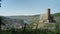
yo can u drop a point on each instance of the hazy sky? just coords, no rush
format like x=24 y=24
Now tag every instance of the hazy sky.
x=28 y=7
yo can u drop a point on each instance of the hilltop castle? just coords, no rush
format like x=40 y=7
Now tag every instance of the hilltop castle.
x=46 y=18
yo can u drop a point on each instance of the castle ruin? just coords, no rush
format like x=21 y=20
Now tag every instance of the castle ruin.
x=46 y=18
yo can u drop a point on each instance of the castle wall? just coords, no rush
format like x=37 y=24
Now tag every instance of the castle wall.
x=46 y=18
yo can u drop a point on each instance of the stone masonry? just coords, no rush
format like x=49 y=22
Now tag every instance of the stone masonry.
x=46 y=18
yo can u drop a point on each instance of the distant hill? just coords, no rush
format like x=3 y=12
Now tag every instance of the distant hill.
x=16 y=20
x=33 y=17
x=28 y=18
x=56 y=15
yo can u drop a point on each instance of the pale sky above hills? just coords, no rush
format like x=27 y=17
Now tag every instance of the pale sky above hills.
x=28 y=7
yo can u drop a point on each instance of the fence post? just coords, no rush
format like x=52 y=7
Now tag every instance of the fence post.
x=36 y=29
x=24 y=28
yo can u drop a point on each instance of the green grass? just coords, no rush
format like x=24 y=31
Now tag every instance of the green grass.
x=20 y=31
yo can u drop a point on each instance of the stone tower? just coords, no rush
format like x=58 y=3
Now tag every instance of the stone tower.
x=46 y=18
x=48 y=14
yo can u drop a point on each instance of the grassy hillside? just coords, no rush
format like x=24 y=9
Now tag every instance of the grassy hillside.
x=57 y=17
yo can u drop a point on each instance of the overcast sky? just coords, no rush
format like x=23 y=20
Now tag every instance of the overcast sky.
x=28 y=7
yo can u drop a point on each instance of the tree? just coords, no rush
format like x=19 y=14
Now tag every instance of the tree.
x=1 y=23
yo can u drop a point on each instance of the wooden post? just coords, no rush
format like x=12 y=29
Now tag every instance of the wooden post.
x=36 y=29
x=24 y=28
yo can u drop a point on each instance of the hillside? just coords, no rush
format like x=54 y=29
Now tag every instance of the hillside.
x=56 y=15
x=28 y=18
x=20 y=20
x=34 y=17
